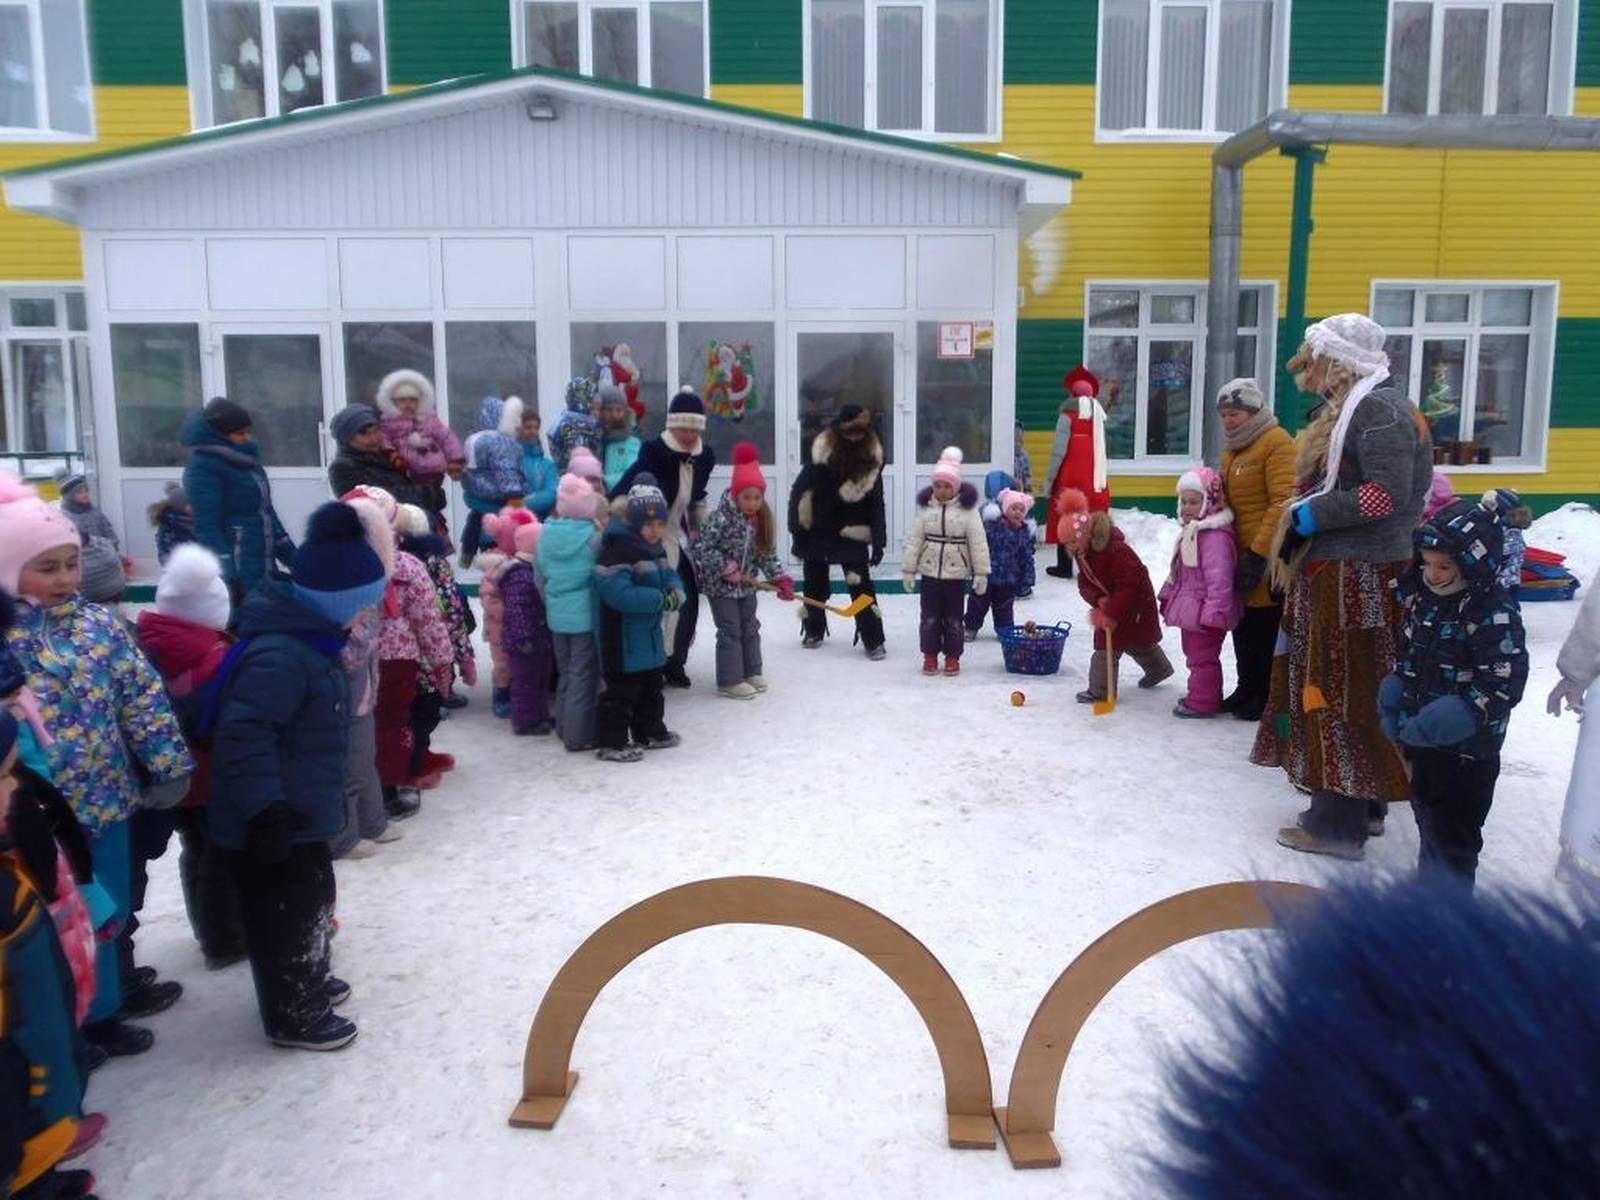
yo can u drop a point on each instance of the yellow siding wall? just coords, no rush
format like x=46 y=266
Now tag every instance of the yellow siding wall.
x=34 y=248
x=787 y=98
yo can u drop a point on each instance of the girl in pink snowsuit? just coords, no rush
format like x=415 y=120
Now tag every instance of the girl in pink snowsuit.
x=501 y=526
x=1198 y=597
x=412 y=429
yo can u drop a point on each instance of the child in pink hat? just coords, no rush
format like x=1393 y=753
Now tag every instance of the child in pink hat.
x=1198 y=597
x=525 y=636
x=946 y=547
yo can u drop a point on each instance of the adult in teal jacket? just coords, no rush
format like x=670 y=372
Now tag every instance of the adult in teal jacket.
x=231 y=497
x=618 y=432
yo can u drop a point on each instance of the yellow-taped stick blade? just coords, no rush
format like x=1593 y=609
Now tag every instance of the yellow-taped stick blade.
x=1109 y=704
x=857 y=606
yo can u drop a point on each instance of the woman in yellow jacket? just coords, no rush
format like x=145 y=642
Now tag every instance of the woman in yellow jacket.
x=1258 y=479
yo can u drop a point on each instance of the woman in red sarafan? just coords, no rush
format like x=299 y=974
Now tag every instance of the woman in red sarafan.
x=1078 y=456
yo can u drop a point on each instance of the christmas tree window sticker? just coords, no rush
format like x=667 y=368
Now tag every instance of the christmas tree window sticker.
x=729 y=390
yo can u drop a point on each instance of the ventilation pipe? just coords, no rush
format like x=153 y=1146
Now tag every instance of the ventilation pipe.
x=1297 y=133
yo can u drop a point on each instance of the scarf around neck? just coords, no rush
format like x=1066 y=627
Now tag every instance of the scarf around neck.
x=1260 y=421
x=1189 y=535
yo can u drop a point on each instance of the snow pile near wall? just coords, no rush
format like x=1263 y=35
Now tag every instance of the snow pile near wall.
x=1573 y=530
x=1154 y=536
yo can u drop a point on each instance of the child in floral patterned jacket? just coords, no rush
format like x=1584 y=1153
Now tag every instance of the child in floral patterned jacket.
x=108 y=717
x=735 y=545
x=412 y=527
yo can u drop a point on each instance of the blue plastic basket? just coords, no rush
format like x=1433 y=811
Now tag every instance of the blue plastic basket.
x=1035 y=654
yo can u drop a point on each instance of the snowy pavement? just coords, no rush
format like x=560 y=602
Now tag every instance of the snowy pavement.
x=753 y=1061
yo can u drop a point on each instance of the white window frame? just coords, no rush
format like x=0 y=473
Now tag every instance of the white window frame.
x=869 y=103
x=519 y=37
x=1536 y=404
x=1277 y=88
x=44 y=132
x=1563 y=52
x=58 y=333
x=1265 y=331
x=197 y=36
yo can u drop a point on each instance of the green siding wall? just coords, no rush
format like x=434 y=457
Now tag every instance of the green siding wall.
x=1575 y=399
x=1046 y=350
x=756 y=41
x=431 y=40
x=1337 y=41
x=1050 y=41
x=1589 y=43
x=137 y=42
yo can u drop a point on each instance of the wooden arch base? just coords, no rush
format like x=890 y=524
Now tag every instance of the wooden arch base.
x=1030 y=1113
x=547 y=1080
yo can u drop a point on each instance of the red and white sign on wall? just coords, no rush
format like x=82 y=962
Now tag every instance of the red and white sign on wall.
x=956 y=339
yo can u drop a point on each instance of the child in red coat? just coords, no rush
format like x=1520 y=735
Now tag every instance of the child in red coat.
x=1115 y=584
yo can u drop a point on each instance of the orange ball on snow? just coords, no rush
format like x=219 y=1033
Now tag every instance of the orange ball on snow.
x=1018 y=699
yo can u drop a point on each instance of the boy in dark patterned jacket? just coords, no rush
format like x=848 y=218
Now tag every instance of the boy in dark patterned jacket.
x=1461 y=670
x=1011 y=537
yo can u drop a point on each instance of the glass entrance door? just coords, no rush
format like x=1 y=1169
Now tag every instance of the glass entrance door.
x=281 y=374
x=839 y=365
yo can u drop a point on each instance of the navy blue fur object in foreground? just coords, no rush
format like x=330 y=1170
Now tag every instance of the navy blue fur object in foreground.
x=1400 y=1040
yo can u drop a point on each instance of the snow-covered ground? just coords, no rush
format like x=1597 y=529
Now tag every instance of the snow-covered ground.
x=753 y=1061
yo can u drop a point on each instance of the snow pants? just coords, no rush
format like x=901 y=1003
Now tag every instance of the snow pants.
x=364 y=814
x=530 y=683
x=425 y=717
x=738 y=638
x=1202 y=652
x=1254 y=641
x=1450 y=796
x=1000 y=597
x=1152 y=661
x=111 y=854
x=287 y=908
x=857 y=577
x=397 y=689
x=208 y=895
x=940 y=629
x=577 y=683
x=681 y=624
x=632 y=702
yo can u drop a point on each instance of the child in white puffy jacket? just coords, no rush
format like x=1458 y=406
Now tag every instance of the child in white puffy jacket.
x=947 y=546
x=1579 y=664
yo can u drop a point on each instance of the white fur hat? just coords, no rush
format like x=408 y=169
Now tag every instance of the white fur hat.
x=191 y=588
x=410 y=521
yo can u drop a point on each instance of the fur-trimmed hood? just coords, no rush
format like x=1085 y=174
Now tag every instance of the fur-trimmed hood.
x=966 y=496
x=393 y=380
x=825 y=453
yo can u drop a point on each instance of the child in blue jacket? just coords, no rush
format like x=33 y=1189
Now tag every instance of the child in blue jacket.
x=565 y=565
x=1010 y=530
x=281 y=731
x=635 y=586
x=1461 y=669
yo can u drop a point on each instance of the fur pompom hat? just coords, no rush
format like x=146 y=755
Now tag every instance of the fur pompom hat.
x=575 y=498
x=747 y=469
x=28 y=527
x=582 y=463
x=335 y=573
x=1014 y=503
x=525 y=538
x=949 y=466
x=385 y=501
x=191 y=588
x=503 y=525
x=380 y=534
x=411 y=521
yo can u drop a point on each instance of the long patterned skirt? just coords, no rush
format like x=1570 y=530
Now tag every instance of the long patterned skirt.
x=1335 y=646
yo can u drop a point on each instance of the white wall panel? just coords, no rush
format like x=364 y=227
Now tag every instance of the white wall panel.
x=845 y=272
x=488 y=272
x=276 y=274
x=147 y=275
x=955 y=272
x=733 y=273
x=385 y=273
x=594 y=167
x=616 y=273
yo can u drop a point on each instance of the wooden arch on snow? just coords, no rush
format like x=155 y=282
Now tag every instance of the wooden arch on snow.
x=1030 y=1112
x=547 y=1079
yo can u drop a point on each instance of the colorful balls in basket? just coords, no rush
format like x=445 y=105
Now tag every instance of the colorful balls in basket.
x=1033 y=649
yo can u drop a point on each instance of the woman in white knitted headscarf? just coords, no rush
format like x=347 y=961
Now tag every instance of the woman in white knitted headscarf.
x=1363 y=468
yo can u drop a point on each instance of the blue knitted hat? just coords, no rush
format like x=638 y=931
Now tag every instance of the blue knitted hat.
x=645 y=501
x=336 y=574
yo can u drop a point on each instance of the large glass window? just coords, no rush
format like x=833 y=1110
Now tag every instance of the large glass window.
x=637 y=352
x=44 y=69
x=1146 y=342
x=264 y=58
x=836 y=369
x=955 y=399
x=38 y=380
x=374 y=348
x=731 y=364
x=655 y=43
x=1481 y=57
x=488 y=358
x=278 y=377
x=155 y=370
x=1473 y=359
x=906 y=66
x=1190 y=66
